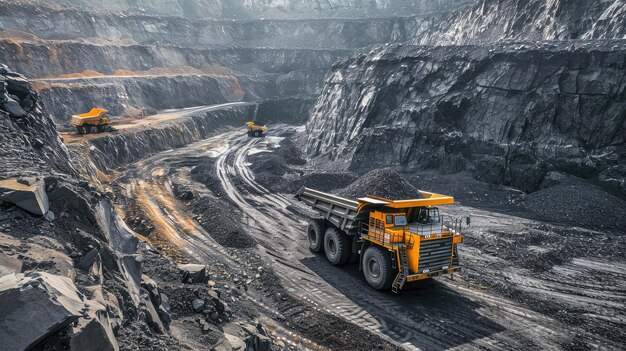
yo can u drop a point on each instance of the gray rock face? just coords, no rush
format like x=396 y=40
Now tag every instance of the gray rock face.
x=265 y=8
x=509 y=113
x=71 y=23
x=35 y=305
x=492 y=20
x=136 y=96
x=30 y=143
x=30 y=197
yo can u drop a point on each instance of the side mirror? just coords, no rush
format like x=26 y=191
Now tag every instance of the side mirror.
x=467 y=220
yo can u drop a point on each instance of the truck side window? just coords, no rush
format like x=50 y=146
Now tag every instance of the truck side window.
x=389 y=219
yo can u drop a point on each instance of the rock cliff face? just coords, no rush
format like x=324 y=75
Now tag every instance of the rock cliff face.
x=267 y=8
x=63 y=23
x=509 y=113
x=491 y=20
x=30 y=143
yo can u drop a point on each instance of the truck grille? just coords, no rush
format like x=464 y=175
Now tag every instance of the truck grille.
x=434 y=255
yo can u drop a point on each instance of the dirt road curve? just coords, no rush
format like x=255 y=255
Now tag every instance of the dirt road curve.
x=440 y=314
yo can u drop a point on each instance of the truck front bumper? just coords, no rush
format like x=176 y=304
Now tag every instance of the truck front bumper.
x=420 y=276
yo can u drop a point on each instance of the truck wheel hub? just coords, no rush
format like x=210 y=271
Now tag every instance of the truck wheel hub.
x=313 y=236
x=374 y=268
x=332 y=246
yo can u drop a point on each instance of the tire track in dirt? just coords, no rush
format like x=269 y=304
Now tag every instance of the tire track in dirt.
x=343 y=294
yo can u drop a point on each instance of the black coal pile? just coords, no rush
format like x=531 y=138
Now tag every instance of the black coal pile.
x=575 y=201
x=382 y=183
x=272 y=167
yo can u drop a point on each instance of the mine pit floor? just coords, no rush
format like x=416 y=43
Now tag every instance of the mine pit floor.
x=526 y=284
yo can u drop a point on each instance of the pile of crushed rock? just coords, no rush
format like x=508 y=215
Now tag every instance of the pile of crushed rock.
x=382 y=183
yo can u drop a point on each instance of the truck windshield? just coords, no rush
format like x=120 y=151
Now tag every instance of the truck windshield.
x=433 y=213
x=399 y=220
x=428 y=215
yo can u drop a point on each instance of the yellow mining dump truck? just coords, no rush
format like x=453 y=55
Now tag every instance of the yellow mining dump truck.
x=92 y=121
x=396 y=241
x=255 y=130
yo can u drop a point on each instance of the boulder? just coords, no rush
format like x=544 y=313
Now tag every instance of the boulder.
x=35 y=305
x=49 y=216
x=94 y=333
x=197 y=305
x=17 y=85
x=13 y=108
x=193 y=273
x=32 y=198
x=65 y=197
x=88 y=259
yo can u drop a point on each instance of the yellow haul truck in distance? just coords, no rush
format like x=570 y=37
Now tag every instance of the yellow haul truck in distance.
x=92 y=121
x=396 y=241
x=255 y=130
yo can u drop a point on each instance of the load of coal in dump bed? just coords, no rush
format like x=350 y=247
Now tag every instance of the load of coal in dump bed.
x=382 y=183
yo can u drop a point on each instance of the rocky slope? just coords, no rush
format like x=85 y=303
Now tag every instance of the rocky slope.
x=508 y=113
x=71 y=271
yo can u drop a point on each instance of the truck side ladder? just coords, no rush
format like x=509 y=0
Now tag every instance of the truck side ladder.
x=400 y=280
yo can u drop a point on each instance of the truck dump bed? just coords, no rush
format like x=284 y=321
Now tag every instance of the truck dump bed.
x=340 y=211
x=89 y=117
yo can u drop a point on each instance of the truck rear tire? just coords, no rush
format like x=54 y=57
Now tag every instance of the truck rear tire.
x=377 y=268
x=93 y=130
x=315 y=235
x=337 y=246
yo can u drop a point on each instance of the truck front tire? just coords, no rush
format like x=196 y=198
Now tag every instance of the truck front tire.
x=315 y=235
x=337 y=247
x=377 y=268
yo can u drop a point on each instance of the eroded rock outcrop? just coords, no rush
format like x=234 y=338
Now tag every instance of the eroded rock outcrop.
x=509 y=113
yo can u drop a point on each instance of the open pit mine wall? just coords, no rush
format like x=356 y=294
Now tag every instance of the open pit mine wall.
x=508 y=113
x=122 y=148
x=278 y=74
x=264 y=8
x=132 y=97
x=65 y=24
x=491 y=20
